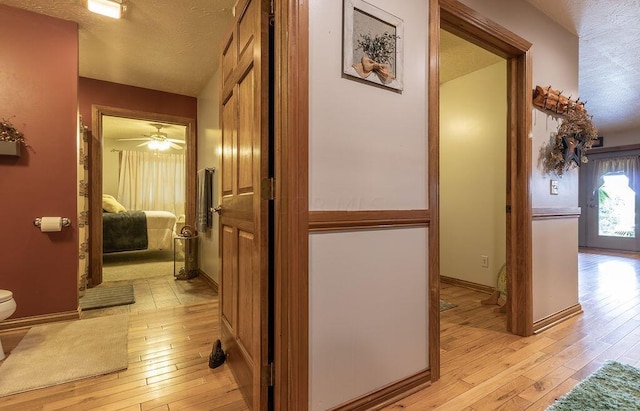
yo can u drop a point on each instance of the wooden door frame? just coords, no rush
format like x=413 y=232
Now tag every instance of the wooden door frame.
x=464 y=22
x=95 y=173
x=291 y=205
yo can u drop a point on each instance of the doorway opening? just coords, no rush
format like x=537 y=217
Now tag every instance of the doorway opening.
x=609 y=200
x=473 y=136
x=114 y=145
x=458 y=19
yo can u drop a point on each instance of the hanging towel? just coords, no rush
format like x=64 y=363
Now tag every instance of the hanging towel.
x=201 y=207
x=204 y=218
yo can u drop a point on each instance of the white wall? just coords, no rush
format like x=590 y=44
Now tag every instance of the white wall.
x=368 y=311
x=621 y=138
x=110 y=167
x=555 y=63
x=555 y=263
x=367 y=145
x=209 y=146
x=473 y=163
x=368 y=151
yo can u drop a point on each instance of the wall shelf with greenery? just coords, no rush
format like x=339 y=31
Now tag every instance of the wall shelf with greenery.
x=10 y=148
x=10 y=139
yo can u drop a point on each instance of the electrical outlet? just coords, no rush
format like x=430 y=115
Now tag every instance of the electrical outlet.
x=484 y=261
x=554 y=187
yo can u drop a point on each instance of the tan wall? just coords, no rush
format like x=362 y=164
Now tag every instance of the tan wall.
x=473 y=163
x=209 y=149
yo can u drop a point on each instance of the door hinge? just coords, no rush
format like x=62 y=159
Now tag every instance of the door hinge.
x=269 y=371
x=268 y=191
x=272 y=14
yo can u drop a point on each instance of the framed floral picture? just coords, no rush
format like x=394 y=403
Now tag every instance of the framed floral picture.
x=372 y=44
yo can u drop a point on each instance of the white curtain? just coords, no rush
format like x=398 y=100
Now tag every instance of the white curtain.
x=152 y=181
x=630 y=166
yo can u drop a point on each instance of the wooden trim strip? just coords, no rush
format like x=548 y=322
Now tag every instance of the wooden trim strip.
x=389 y=394
x=210 y=281
x=467 y=284
x=351 y=220
x=464 y=22
x=291 y=282
x=554 y=319
x=28 y=322
x=433 y=141
x=555 y=212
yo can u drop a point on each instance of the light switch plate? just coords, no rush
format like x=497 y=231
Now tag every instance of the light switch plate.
x=554 y=187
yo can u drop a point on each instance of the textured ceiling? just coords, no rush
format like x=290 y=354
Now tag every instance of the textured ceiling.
x=609 y=79
x=120 y=127
x=173 y=45
x=166 y=45
x=459 y=57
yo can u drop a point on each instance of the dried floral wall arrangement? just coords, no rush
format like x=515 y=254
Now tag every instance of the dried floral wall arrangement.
x=372 y=44
x=568 y=149
x=9 y=133
x=10 y=139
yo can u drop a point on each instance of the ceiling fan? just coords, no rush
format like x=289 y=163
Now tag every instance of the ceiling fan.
x=157 y=140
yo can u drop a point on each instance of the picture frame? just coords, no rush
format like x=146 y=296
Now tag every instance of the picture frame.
x=372 y=44
x=598 y=143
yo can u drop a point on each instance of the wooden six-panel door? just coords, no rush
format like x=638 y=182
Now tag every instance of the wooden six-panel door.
x=244 y=211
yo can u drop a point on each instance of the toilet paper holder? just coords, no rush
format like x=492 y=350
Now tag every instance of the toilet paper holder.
x=66 y=222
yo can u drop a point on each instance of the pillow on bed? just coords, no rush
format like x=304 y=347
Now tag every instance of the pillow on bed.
x=111 y=205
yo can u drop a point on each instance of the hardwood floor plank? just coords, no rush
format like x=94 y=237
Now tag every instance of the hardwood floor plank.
x=552 y=395
x=545 y=384
x=496 y=399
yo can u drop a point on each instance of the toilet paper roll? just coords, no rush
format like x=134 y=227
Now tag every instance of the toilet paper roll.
x=50 y=224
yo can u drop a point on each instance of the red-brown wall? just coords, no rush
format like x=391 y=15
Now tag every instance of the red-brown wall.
x=38 y=94
x=104 y=93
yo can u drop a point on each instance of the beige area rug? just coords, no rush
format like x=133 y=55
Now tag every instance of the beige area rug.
x=136 y=265
x=52 y=354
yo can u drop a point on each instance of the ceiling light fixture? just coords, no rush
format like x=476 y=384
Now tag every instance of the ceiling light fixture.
x=160 y=145
x=110 y=8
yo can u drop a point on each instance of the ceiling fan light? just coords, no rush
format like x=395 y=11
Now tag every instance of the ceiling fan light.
x=109 y=8
x=160 y=145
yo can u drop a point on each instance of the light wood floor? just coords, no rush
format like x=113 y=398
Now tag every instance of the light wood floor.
x=483 y=367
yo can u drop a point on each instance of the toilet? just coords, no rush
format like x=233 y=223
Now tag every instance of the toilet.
x=7 y=307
